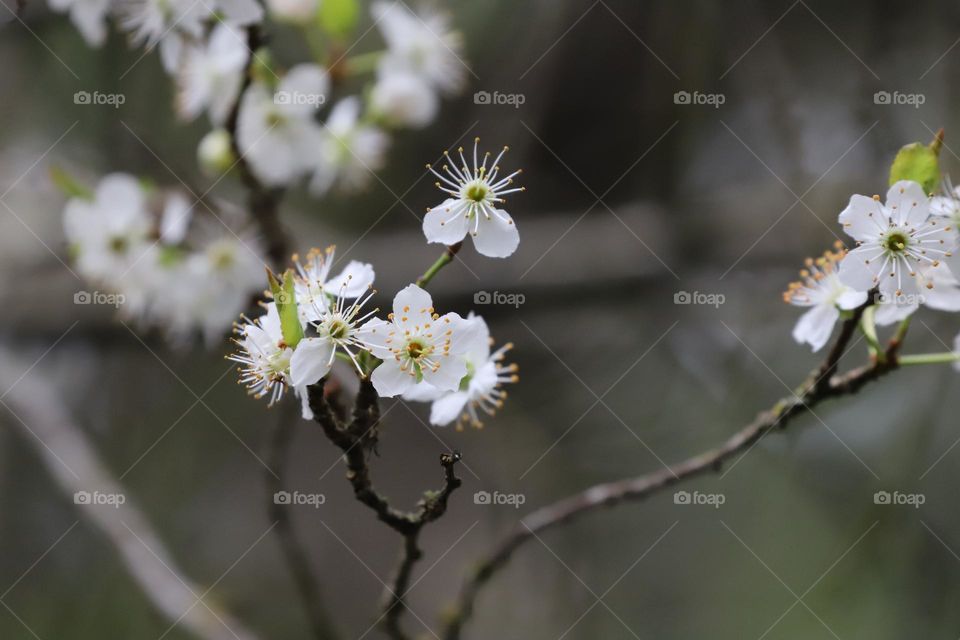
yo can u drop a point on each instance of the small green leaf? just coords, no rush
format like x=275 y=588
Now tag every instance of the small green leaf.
x=338 y=17
x=920 y=163
x=286 y=300
x=68 y=185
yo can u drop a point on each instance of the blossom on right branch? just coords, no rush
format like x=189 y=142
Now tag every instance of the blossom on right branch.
x=417 y=344
x=475 y=195
x=480 y=390
x=822 y=289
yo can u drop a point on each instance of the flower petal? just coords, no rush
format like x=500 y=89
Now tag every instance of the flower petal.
x=856 y=272
x=907 y=202
x=389 y=380
x=448 y=408
x=354 y=280
x=311 y=361
x=448 y=375
x=815 y=326
x=446 y=223
x=374 y=334
x=863 y=219
x=412 y=306
x=496 y=236
x=851 y=299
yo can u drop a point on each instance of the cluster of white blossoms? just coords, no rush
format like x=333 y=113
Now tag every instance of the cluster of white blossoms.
x=287 y=125
x=906 y=252
x=315 y=318
x=175 y=270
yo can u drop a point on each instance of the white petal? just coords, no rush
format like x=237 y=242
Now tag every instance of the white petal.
x=448 y=408
x=305 y=409
x=446 y=223
x=448 y=375
x=496 y=237
x=176 y=218
x=120 y=193
x=908 y=203
x=412 y=306
x=423 y=392
x=374 y=334
x=816 y=325
x=863 y=219
x=241 y=12
x=851 y=299
x=306 y=86
x=944 y=206
x=357 y=276
x=311 y=361
x=855 y=272
x=889 y=312
x=390 y=381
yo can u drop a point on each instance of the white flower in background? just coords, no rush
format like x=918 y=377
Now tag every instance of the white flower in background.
x=821 y=289
x=349 y=150
x=315 y=289
x=175 y=219
x=404 y=99
x=277 y=131
x=166 y=24
x=938 y=289
x=339 y=327
x=420 y=43
x=215 y=152
x=211 y=74
x=263 y=355
x=416 y=344
x=295 y=11
x=894 y=239
x=88 y=16
x=947 y=205
x=108 y=233
x=471 y=208
x=240 y=13
x=479 y=390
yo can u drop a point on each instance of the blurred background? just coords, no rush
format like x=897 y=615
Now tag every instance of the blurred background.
x=634 y=194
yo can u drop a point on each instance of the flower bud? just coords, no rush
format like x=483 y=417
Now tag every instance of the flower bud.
x=215 y=152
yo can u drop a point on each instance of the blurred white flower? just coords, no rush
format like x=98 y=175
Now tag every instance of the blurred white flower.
x=349 y=150
x=166 y=24
x=893 y=240
x=479 y=390
x=295 y=11
x=420 y=43
x=416 y=344
x=472 y=208
x=315 y=289
x=821 y=289
x=277 y=131
x=215 y=152
x=88 y=16
x=175 y=219
x=108 y=233
x=404 y=99
x=211 y=74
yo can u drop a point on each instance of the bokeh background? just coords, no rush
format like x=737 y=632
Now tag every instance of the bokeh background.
x=631 y=198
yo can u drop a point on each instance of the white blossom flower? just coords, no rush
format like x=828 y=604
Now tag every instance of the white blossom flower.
x=420 y=43
x=938 y=289
x=349 y=150
x=88 y=16
x=893 y=240
x=479 y=390
x=404 y=99
x=263 y=355
x=340 y=326
x=166 y=24
x=211 y=74
x=315 y=289
x=472 y=208
x=822 y=289
x=276 y=131
x=108 y=233
x=417 y=344
x=295 y=11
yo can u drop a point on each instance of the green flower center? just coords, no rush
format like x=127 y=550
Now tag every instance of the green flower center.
x=477 y=192
x=896 y=242
x=415 y=349
x=338 y=329
x=118 y=244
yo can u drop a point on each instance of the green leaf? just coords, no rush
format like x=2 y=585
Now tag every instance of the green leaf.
x=338 y=17
x=286 y=300
x=920 y=163
x=68 y=185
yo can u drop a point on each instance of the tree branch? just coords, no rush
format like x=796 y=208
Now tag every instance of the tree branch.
x=822 y=385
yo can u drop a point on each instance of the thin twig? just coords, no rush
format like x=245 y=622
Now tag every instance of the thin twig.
x=823 y=385
x=295 y=555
